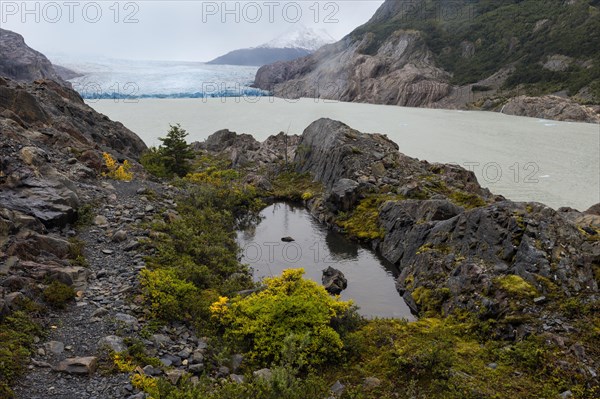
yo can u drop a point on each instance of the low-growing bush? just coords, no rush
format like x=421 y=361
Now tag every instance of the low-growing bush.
x=17 y=333
x=115 y=170
x=288 y=323
x=58 y=294
x=172 y=298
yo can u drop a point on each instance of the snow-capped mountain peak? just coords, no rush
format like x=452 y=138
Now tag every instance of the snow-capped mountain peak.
x=302 y=38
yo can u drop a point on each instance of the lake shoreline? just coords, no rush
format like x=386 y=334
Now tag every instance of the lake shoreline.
x=517 y=157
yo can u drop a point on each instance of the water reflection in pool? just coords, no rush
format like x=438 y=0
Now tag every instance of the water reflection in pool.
x=370 y=277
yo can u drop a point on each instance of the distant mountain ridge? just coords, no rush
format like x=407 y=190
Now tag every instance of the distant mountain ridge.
x=455 y=54
x=292 y=45
x=259 y=56
x=302 y=38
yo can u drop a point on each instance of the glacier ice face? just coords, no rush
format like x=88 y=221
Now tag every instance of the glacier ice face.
x=128 y=79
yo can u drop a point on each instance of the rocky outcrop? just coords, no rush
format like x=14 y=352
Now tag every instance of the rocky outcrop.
x=51 y=147
x=455 y=253
x=401 y=72
x=551 y=107
x=334 y=153
x=49 y=115
x=22 y=63
x=245 y=150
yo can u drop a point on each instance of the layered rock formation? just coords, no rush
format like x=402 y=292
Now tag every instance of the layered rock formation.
x=22 y=63
x=402 y=72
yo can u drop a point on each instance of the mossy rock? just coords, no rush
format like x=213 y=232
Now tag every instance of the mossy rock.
x=515 y=285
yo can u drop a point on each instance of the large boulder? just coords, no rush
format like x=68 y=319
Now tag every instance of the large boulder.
x=49 y=201
x=331 y=150
x=550 y=107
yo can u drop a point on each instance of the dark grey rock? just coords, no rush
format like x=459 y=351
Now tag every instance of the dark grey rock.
x=334 y=281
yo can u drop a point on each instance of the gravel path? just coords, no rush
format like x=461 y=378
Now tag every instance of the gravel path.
x=104 y=307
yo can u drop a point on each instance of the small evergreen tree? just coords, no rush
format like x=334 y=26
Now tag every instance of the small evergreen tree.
x=176 y=151
x=170 y=158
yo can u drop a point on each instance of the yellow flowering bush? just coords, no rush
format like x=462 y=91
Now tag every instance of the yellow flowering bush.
x=219 y=308
x=289 y=322
x=122 y=364
x=116 y=171
x=147 y=384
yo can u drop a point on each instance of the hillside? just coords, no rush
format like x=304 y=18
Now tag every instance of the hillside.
x=455 y=54
x=22 y=63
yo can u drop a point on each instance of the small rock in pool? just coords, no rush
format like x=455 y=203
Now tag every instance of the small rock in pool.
x=287 y=239
x=334 y=281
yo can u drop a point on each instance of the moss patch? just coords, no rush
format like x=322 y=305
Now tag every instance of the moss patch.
x=363 y=223
x=294 y=186
x=466 y=200
x=515 y=285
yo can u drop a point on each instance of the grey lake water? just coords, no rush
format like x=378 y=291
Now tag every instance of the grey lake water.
x=524 y=159
x=371 y=283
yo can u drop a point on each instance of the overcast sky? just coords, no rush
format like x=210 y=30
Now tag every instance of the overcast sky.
x=172 y=30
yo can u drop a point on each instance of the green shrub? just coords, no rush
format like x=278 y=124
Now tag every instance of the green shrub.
x=17 y=333
x=287 y=323
x=85 y=215
x=58 y=294
x=76 y=255
x=170 y=297
x=152 y=161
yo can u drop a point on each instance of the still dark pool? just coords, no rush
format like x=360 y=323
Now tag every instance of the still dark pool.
x=370 y=277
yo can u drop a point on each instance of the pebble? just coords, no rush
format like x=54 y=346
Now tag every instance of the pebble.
x=263 y=373
x=55 y=347
x=338 y=388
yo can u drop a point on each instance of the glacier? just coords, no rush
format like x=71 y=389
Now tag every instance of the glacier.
x=104 y=78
